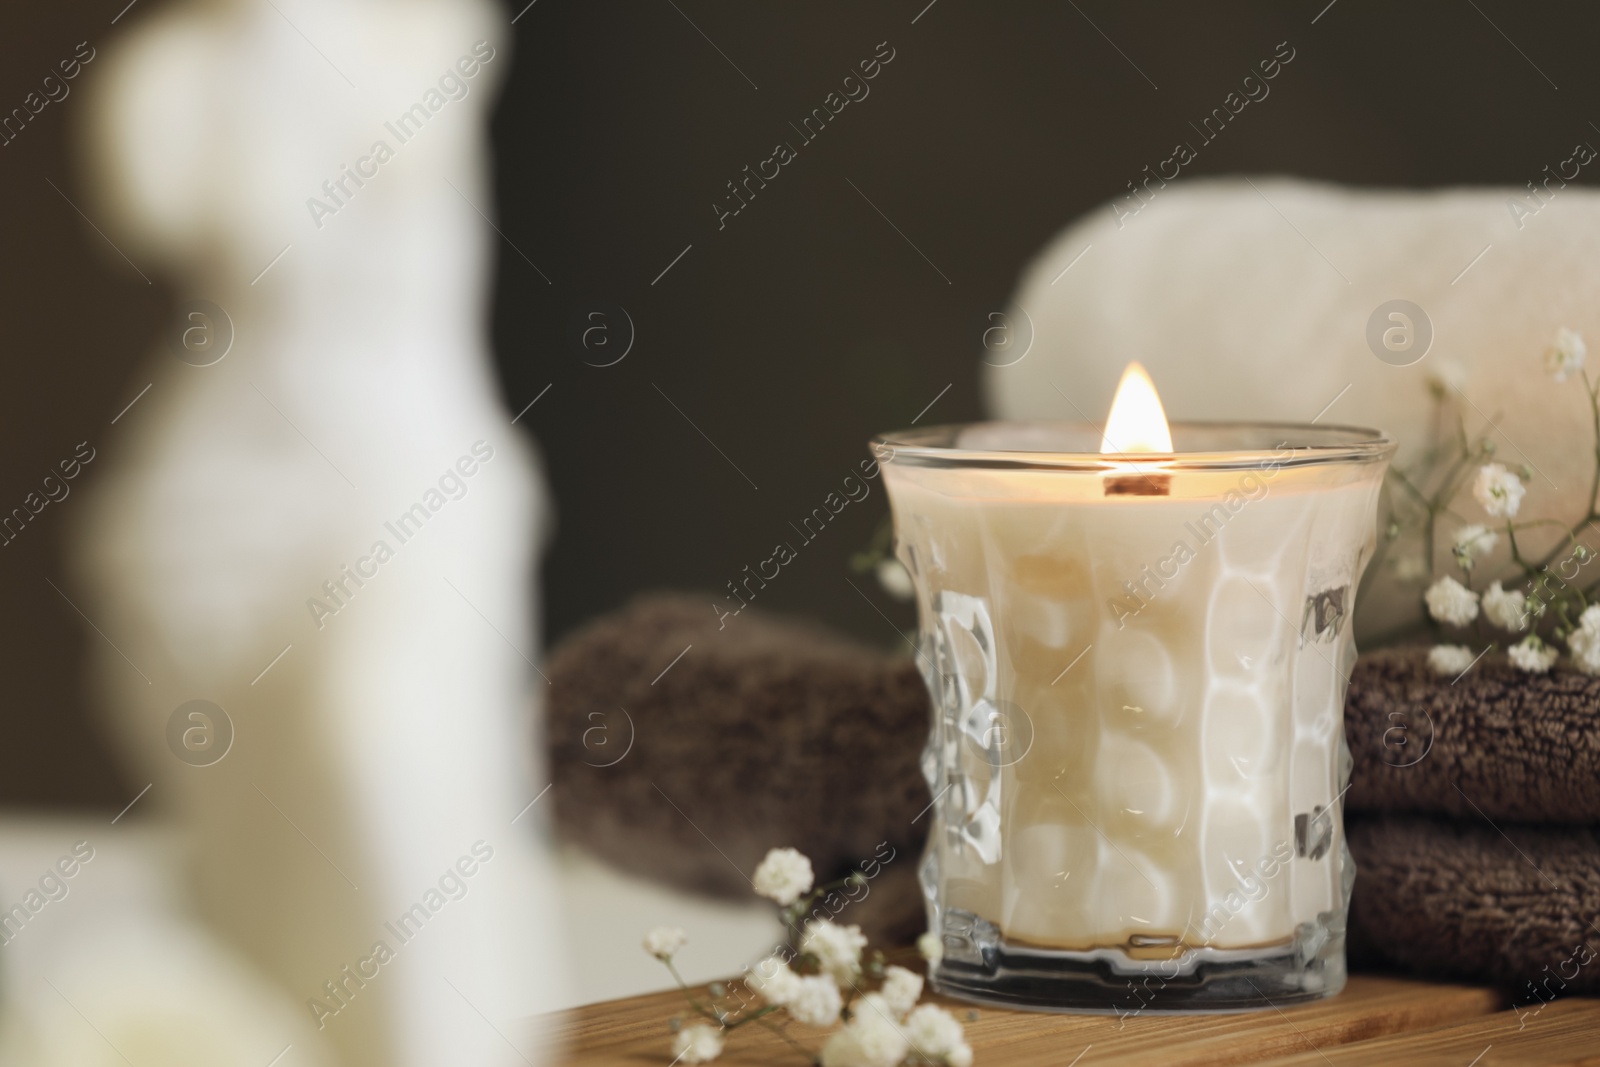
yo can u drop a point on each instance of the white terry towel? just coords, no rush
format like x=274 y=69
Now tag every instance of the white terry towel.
x=1250 y=299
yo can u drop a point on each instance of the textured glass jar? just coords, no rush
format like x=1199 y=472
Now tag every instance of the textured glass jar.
x=1138 y=666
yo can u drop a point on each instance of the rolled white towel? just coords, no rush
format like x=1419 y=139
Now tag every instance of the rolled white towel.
x=1251 y=298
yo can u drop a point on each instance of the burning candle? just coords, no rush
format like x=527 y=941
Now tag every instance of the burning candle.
x=1137 y=641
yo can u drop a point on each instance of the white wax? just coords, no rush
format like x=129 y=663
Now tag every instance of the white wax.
x=1175 y=735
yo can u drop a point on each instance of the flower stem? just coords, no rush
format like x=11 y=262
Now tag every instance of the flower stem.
x=791 y=914
x=700 y=1009
x=753 y=1017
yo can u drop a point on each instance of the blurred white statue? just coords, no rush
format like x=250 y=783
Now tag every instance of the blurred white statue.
x=327 y=530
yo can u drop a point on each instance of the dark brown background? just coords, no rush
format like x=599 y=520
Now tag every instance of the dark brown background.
x=807 y=323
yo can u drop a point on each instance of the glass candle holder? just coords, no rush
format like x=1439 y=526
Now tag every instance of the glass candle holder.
x=1138 y=667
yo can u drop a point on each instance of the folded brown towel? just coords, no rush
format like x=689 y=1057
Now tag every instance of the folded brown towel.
x=1498 y=743
x=686 y=766
x=764 y=733
x=1516 y=905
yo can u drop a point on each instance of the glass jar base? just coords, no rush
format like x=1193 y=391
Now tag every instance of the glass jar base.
x=1110 y=982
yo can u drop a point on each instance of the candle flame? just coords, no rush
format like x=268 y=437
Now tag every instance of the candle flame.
x=1137 y=422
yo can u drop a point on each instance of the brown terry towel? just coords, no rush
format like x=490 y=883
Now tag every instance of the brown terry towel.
x=1520 y=907
x=764 y=733
x=1498 y=743
x=686 y=766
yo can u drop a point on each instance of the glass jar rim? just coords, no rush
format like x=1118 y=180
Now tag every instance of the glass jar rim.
x=1286 y=444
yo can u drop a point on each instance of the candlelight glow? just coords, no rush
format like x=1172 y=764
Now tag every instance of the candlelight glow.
x=1136 y=423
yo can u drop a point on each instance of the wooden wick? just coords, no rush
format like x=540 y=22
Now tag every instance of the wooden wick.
x=1139 y=485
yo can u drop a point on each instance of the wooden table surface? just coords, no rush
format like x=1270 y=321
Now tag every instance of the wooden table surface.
x=1378 y=1019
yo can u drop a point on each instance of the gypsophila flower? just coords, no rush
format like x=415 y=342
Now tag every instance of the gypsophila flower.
x=1506 y=608
x=773 y=980
x=1449 y=659
x=837 y=948
x=816 y=1000
x=901 y=988
x=1584 y=642
x=895 y=579
x=937 y=1037
x=1531 y=655
x=664 y=942
x=1498 y=490
x=931 y=946
x=1566 y=354
x=1445 y=376
x=874 y=1032
x=697 y=1043
x=1473 y=543
x=783 y=876
x=1451 y=603
x=870 y=1039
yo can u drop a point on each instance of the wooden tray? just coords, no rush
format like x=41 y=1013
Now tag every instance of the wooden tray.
x=1378 y=1019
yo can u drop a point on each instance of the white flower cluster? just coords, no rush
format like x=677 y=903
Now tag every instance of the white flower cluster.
x=1506 y=608
x=1499 y=492
x=881 y=1034
x=664 y=942
x=697 y=1043
x=901 y=989
x=896 y=580
x=1531 y=655
x=872 y=1038
x=1472 y=543
x=1451 y=602
x=813 y=999
x=1584 y=642
x=1450 y=659
x=784 y=876
x=837 y=949
x=1566 y=354
x=931 y=946
x=885 y=1028
x=937 y=1037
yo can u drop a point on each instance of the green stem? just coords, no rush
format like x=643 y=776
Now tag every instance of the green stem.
x=1455 y=481
x=1405 y=483
x=1571 y=538
x=700 y=1009
x=752 y=1017
x=792 y=913
x=1593 y=389
x=1572 y=534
